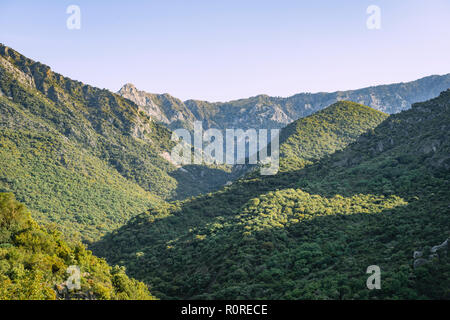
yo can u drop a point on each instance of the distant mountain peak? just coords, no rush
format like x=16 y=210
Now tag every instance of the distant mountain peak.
x=263 y=111
x=128 y=87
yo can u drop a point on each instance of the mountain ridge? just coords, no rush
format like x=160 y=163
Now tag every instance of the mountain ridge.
x=113 y=157
x=263 y=111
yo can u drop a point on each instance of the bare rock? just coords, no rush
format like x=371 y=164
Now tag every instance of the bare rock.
x=419 y=262
x=442 y=246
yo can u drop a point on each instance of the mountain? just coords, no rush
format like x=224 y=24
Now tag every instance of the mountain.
x=34 y=263
x=84 y=157
x=311 y=138
x=312 y=230
x=356 y=188
x=268 y=112
x=161 y=107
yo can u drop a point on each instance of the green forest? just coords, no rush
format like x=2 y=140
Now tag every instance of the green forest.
x=86 y=180
x=34 y=260
x=83 y=157
x=309 y=233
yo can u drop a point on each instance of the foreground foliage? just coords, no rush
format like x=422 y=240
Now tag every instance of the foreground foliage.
x=34 y=260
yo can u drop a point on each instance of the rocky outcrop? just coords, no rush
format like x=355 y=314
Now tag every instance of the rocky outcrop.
x=436 y=252
x=20 y=76
x=160 y=107
x=63 y=293
x=144 y=101
x=442 y=246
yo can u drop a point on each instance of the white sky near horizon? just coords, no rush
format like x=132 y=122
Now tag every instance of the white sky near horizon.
x=224 y=50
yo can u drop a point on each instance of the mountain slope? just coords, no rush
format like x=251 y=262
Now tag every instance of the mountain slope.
x=305 y=232
x=311 y=138
x=265 y=112
x=161 y=107
x=110 y=127
x=33 y=263
x=84 y=157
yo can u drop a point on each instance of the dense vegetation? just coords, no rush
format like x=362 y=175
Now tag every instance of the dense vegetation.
x=34 y=261
x=355 y=188
x=309 y=139
x=309 y=233
x=65 y=186
x=83 y=157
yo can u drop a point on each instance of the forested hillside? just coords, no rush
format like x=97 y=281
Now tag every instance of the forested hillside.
x=310 y=233
x=355 y=188
x=309 y=139
x=84 y=157
x=34 y=263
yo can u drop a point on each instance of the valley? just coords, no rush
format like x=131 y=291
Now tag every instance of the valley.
x=363 y=180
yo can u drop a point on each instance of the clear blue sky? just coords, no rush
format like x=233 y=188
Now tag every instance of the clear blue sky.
x=223 y=50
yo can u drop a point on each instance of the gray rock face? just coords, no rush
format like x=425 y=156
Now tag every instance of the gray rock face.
x=442 y=246
x=265 y=112
x=419 y=262
x=22 y=77
x=436 y=253
x=160 y=107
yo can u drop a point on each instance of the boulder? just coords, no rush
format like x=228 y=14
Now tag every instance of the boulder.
x=419 y=262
